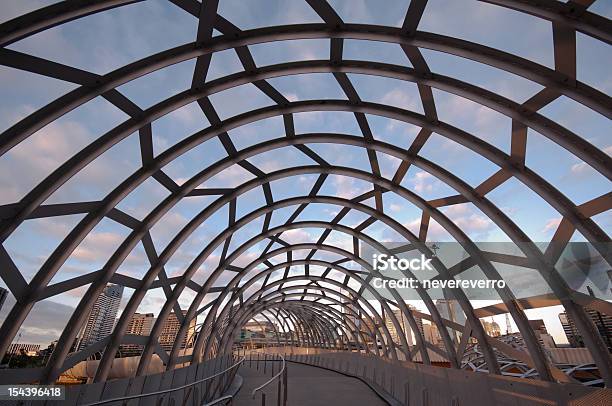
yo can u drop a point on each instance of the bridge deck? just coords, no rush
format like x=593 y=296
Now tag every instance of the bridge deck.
x=308 y=386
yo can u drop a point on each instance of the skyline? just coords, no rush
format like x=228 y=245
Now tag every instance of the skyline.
x=55 y=313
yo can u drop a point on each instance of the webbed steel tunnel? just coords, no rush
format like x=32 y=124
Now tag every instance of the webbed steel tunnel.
x=227 y=164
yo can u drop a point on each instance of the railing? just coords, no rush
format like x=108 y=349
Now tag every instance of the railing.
x=280 y=377
x=233 y=368
x=225 y=398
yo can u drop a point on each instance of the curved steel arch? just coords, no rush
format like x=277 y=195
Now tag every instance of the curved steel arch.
x=340 y=228
x=566 y=21
x=442 y=222
x=327 y=264
x=63 y=252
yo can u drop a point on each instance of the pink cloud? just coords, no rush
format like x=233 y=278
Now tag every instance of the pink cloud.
x=551 y=225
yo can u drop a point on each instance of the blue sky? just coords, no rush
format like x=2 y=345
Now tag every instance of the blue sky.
x=106 y=41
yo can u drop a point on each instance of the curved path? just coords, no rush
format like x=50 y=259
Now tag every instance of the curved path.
x=308 y=386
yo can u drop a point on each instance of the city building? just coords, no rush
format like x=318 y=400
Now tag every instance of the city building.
x=170 y=329
x=396 y=335
x=491 y=328
x=23 y=348
x=349 y=309
x=140 y=324
x=431 y=333
x=602 y=322
x=419 y=321
x=539 y=328
x=451 y=310
x=257 y=329
x=3 y=296
x=405 y=325
x=101 y=319
x=366 y=326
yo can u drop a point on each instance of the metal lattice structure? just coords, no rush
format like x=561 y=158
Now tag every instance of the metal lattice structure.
x=306 y=305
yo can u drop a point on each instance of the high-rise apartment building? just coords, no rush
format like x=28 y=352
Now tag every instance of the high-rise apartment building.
x=602 y=322
x=170 y=330
x=22 y=348
x=395 y=334
x=431 y=334
x=539 y=328
x=349 y=309
x=419 y=321
x=405 y=325
x=451 y=310
x=102 y=316
x=3 y=296
x=140 y=324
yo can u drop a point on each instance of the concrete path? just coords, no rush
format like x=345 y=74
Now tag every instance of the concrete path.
x=308 y=386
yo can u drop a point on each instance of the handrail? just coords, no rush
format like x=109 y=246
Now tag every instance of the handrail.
x=282 y=369
x=161 y=392
x=221 y=399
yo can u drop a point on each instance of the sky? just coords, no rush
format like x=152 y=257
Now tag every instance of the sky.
x=103 y=42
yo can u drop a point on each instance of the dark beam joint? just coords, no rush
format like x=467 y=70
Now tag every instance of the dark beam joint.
x=207 y=17
x=413 y=16
x=11 y=276
x=326 y=12
x=209 y=192
x=145 y=135
x=564 y=40
x=166 y=181
x=123 y=218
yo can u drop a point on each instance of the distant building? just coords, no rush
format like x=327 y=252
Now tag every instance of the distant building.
x=22 y=348
x=403 y=322
x=3 y=296
x=102 y=316
x=366 y=326
x=170 y=329
x=491 y=328
x=140 y=324
x=539 y=328
x=349 y=310
x=257 y=329
x=570 y=330
x=431 y=333
x=571 y=356
x=405 y=325
x=451 y=310
x=603 y=322
x=419 y=321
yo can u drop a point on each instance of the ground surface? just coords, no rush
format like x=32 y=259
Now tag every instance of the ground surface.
x=308 y=386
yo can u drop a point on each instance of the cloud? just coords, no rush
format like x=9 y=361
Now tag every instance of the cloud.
x=44 y=323
x=245 y=259
x=296 y=236
x=401 y=99
x=347 y=187
x=50 y=146
x=579 y=168
x=423 y=182
x=394 y=207
x=551 y=225
x=467 y=218
x=230 y=177
x=97 y=246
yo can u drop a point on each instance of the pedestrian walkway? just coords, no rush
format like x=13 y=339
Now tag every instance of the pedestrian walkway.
x=308 y=386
